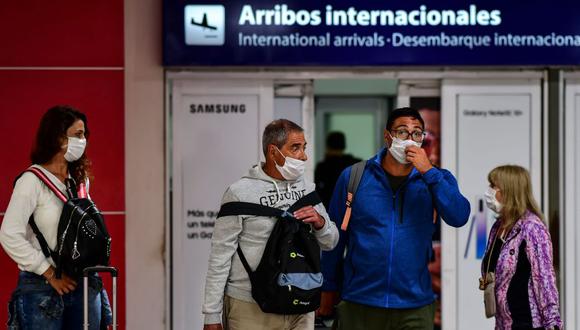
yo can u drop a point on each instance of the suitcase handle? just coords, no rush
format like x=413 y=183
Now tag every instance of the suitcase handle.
x=98 y=269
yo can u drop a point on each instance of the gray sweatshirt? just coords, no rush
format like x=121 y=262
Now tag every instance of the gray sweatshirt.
x=226 y=274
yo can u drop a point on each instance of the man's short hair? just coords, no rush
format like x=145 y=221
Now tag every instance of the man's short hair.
x=404 y=112
x=335 y=141
x=277 y=132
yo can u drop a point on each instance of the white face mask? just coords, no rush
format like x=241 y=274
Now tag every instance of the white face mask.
x=397 y=149
x=75 y=148
x=491 y=201
x=293 y=168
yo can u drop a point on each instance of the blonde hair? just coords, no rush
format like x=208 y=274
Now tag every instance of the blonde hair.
x=515 y=186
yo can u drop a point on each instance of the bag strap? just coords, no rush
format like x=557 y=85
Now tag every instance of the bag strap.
x=244 y=261
x=43 y=244
x=71 y=188
x=485 y=282
x=310 y=199
x=356 y=174
x=239 y=208
x=48 y=183
x=245 y=208
x=82 y=191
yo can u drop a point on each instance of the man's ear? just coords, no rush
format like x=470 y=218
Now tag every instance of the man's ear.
x=387 y=137
x=272 y=151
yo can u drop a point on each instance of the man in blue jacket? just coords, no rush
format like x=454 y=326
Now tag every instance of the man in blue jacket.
x=383 y=278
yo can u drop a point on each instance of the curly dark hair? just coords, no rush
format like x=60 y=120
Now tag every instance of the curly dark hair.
x=50 y=134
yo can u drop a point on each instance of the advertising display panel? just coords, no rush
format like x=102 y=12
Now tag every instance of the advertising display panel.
x=215 y=134
x=487 y=124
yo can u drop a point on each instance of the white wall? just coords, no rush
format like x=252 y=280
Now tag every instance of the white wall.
x=144 y=163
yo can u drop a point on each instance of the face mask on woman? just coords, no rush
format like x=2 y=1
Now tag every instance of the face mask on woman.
x=491 y=201
x=75 y=148
x=397 y=149
x=293 y=168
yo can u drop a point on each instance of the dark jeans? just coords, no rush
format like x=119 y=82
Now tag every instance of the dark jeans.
x=353 y=316
x=35 y=305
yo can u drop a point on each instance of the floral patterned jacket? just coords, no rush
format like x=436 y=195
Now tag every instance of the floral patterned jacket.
x=542 y=291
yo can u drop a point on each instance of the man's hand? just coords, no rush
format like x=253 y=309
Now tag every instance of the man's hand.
x=62 y=285
x=309 y=215
x=328 y=300
x=216 y=326
x=418 y=157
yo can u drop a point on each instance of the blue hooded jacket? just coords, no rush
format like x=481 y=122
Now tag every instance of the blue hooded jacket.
x=388 y=239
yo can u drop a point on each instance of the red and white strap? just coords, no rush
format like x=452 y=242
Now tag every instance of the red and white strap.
x=48 y=182
x=82 y=191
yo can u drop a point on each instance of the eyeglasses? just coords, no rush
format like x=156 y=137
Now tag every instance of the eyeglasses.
x=429 y=139
x=403 y=134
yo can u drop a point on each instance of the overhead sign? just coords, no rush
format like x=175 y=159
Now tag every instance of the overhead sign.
x=370 y=33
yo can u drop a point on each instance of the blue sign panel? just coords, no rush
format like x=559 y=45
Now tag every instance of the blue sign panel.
x=370 y=33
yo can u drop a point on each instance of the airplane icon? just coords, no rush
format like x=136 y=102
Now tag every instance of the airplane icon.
x=203 y=23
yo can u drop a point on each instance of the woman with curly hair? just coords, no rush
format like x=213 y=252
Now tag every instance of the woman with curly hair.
x=42 y=300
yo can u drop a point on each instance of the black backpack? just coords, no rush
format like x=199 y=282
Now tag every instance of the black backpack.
x=288 y=279
x=83 y=240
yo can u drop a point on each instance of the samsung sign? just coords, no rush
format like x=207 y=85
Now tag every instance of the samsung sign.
x=368 y=33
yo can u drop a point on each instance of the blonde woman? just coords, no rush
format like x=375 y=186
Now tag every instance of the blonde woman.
x=519 y=251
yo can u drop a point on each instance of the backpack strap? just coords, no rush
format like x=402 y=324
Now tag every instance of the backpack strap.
x=245 y=208
x=48 y=253
x=239 y=208
x=356 y=174
x=43 y=244
x=310 y=199
x=71 y=188
x=82 y=191
x=48 y=183
x=244 y=261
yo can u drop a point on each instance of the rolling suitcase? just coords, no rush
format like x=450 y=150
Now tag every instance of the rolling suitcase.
x=98 y=269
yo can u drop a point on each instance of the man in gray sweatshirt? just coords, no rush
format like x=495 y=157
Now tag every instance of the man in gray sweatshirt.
x=278 y=183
